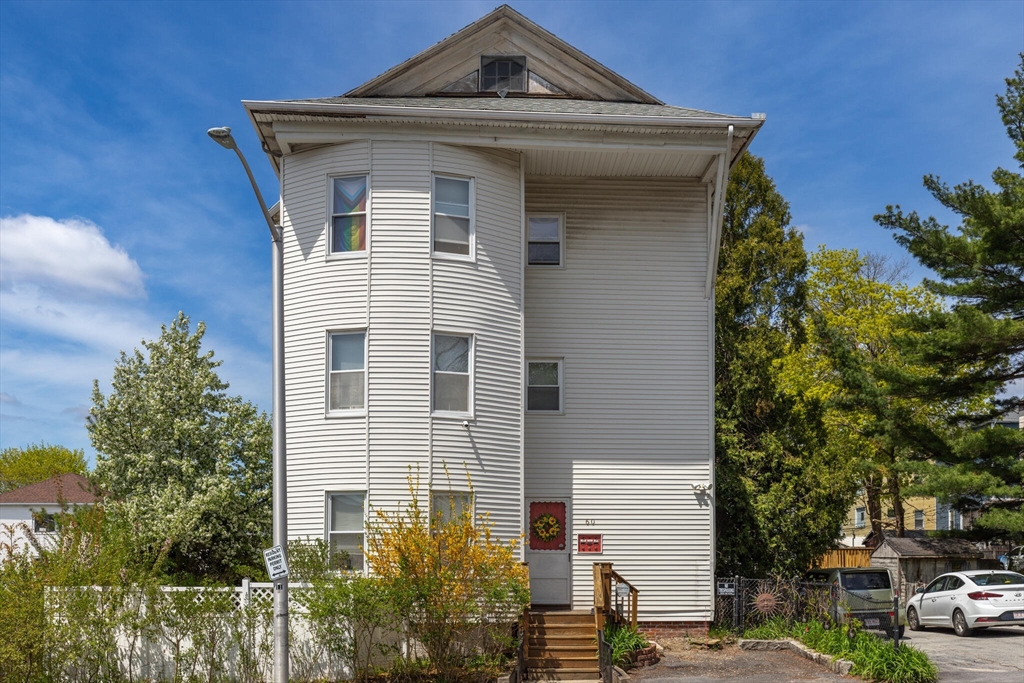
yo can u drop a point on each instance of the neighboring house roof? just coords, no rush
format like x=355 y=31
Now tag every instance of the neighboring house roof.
x=67 y=488
x=920 y=545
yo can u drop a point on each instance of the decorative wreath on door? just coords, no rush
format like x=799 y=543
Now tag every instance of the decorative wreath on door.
x=546 y=527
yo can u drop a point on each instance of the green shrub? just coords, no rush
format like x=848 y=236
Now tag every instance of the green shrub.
x=873 y=658
x=624 y=640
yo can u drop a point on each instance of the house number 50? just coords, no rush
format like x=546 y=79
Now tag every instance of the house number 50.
x=590 y=522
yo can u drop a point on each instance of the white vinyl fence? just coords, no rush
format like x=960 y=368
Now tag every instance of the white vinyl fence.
x=181 y=634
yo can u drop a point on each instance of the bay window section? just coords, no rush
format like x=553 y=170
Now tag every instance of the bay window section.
x=453 y=220
x=347 y=376
x=452 y=382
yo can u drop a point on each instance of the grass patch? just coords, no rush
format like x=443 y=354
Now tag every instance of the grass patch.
x=873 y=658
x=624 y=640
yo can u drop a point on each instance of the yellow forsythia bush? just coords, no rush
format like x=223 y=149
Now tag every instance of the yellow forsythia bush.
x=459 y=589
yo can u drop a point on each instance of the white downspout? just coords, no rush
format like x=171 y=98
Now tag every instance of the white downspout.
x=716 y=218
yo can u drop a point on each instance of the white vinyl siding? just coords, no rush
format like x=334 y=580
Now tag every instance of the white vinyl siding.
x=484 y=298
x=320 y=294
x=630 y=319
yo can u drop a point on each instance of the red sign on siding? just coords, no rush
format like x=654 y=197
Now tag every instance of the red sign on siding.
x=588 y=543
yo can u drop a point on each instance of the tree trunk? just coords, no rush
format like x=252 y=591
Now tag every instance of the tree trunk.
x=873 y=493
x=897 y=503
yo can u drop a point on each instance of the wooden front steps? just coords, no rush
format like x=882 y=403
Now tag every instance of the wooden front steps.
x=562 y=646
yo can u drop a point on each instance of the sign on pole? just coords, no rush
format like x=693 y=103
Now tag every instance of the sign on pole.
x=277 y=568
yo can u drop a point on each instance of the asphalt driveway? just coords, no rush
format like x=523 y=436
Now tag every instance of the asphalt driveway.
x=995 y=655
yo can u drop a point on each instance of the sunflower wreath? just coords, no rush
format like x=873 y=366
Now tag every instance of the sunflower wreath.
x=546 y=527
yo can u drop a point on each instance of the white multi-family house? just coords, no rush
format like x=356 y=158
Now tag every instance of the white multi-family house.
x=499 y=257
x=33 y=509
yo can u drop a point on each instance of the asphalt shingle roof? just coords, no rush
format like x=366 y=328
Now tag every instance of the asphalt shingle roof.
x=523 y=104
x=69 y=488
x=924 y=546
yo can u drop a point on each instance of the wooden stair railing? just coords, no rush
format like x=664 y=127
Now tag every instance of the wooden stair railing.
x=611 y=603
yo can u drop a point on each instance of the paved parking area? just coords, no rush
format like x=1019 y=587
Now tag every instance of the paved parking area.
x=682 y=665
x=995 y=655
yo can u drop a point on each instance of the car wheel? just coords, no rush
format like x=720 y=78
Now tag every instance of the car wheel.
x=960 y=624
x=915 y=623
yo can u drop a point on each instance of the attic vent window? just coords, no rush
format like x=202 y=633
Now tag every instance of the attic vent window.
x=503 y=73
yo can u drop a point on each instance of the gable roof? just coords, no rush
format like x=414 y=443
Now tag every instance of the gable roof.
x=67 y=488
x=926 y=546
x=559 y=68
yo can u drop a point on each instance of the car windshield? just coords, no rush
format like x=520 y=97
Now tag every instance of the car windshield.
x=997 y=579
x=866 y=581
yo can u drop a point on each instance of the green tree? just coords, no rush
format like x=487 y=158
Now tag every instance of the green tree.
x=856 y=305
x=978 y=345
x=780 y=493
x=38 y=462
x=187 y=465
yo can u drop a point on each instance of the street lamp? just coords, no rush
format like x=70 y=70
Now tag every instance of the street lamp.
x=222 y=136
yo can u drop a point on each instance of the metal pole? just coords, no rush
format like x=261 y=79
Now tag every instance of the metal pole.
x=280 y=485
x=896 y=620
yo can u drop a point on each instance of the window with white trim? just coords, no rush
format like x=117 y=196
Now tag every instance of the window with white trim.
x=346 y=387
x=860 y=518
x=43 y=523
x=918 y=519
x=545 y=240
x=453 y=216
x=345 y=522
x=348 y=214
x=544 y=386
x=452 y=373
x=448 y=505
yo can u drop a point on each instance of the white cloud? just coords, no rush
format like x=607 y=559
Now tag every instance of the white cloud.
x=70 y=255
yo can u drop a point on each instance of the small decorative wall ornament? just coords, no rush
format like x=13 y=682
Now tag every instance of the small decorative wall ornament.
x=546 y=527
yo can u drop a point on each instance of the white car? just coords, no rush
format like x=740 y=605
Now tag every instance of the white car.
x=968 y=601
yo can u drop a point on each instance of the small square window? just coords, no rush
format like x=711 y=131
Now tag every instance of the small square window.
x=43 y=523
x=452 y=373
x=348 y=214
x=448 y=505
x=345 y=522
x=545 y=240
x=453 y=216
x=544 y=386
x=347 y=377
x=503 y=73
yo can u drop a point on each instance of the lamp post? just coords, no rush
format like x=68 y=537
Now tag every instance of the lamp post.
x=222 y=136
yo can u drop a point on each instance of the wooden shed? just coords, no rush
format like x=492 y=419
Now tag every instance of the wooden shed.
x=914 y=560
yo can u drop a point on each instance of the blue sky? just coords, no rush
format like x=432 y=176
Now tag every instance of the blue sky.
x=119 y=211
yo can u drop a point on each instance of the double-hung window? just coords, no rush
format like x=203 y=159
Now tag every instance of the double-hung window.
x=918 y=519
x=347 y=377
x=453 y=216
x=448 y=505
x=544 y=386
x=545 y=240
x=345 y=529
x=348 y=214
x=453 y=386
x=861 y=518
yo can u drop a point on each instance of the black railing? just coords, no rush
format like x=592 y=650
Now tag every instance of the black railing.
x=604 y=658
